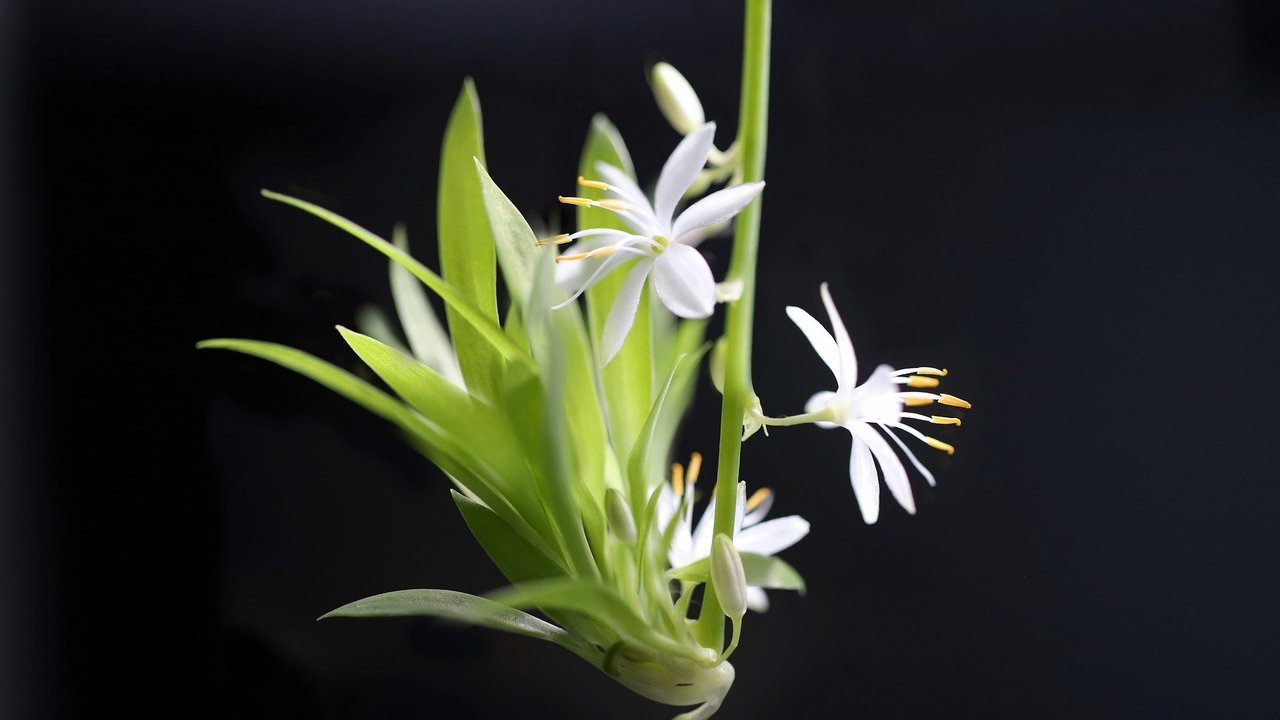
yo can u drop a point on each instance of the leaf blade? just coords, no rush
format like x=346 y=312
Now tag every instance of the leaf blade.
x=466 y=244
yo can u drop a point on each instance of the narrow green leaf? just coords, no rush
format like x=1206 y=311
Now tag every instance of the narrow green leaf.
x=466 y=245
x=518 y=252
x=328 y=375
x=596 y=601
x=646 y=452
x=516 y=558
x=628 y=380
x=486 y=326
x=689 y=337
x=471 y=430
x=763 y=571
x=464 y=608
x=426 y=336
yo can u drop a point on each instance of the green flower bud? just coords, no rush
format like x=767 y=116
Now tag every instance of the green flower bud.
x=676 y=98
x=728 y=577
x=621 y=523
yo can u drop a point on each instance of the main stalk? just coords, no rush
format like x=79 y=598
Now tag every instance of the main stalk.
x=753 y=122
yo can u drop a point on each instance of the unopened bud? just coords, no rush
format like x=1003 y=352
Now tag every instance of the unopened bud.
x=676 y=98
x=716 y=364
x=620 y=520
x=728 y=577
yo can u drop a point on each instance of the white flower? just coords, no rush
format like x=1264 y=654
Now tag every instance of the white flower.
x=751 y=532
x=876 y=403
x=661 y=242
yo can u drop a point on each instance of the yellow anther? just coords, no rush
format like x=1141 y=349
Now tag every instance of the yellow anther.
x=953 y=401
x=677 y=478
x=944 y=420
x=917 y=381
x=940 y=372
x=594 y=184
x=575 y=256
x=560 y=239
x=695 y=467
x=611 y=204
x=580 y=202
x=916 y=401
x=758 y=497
x=937 y=444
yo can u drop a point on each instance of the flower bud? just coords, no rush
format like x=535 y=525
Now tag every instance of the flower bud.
x=620 y=520
x=676 y=98
x=716 y=365
x=728 y=577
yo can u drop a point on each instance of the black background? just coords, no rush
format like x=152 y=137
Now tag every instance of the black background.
x=1072 y=205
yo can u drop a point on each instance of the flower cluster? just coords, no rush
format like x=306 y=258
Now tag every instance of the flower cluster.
x=555 y=429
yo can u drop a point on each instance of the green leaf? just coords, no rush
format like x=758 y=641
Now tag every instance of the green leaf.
x=628 y=379
x=516 y=558
x=487 y=327
x=763 y=571
x=464 y=608
x=466 y=245
x=328 y=375
x=596 y=601
x=426 y=336
x=647 y=452
x=689 y=337
x=518 y=253
x=471 y=431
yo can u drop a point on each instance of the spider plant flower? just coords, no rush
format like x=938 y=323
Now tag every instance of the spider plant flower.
x=751 y=532
x=661 y=243
x=872 y=411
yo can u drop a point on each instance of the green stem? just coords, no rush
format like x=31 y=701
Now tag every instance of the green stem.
x=753 y=121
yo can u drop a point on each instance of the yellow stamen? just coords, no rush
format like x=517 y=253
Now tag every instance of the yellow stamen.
x=695 y=467
x=594 y=184
x=612 y=204
x=560 y=239
x=916 y=401
x=758 y=497
x=944 y=420
x=580 y=202
x=598 y=252
x=677 y=478
x=939 y=445
x=932 y=371
x=916 y=381
x=953 y=401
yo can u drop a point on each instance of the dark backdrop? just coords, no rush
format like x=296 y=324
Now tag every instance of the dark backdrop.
x=1070 y=204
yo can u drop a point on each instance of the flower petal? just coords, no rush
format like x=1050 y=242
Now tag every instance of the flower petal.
x=865 y=479
x=772 y=536
x=719 y=205
x=623 y=312
x=684 y=282
x=702 y=533
x=740 y=508
x=681 y=168
x=848 y=375
x=757 y=599
x=895 y=475
x=761 y=510
x=819 y=338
